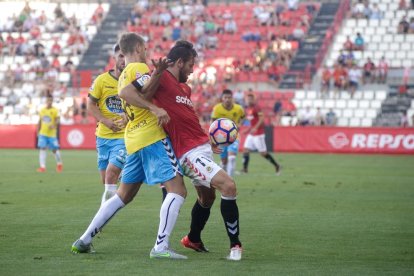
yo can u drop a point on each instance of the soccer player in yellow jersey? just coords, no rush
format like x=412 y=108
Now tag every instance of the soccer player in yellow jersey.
x=47 y=135
x=235 y=112
x=150 y=159
x=105 y=105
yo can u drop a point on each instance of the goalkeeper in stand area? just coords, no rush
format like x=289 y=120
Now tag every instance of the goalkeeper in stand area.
x=190 y=143
x=235 y=112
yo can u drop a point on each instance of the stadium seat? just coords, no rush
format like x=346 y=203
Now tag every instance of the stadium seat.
x=342 y=122
x=366 y=122
x=355 y=122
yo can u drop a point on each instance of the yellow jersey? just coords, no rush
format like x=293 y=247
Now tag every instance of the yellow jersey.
x=48 y=117
x=104 y=91
x=142 y=129
x=236 y=113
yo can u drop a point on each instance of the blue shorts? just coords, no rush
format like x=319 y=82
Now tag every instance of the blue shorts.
x=110 y=151
x=152 y=165
x=234 y=148
x=47 y=142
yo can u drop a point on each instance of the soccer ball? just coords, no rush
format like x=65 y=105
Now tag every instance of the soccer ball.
x=223 y=132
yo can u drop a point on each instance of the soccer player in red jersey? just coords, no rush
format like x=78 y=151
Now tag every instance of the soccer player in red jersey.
x=255 y=139
x=191 y=145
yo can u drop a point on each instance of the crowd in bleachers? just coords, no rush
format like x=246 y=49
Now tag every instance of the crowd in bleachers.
x=40 y=47
x=243 y=41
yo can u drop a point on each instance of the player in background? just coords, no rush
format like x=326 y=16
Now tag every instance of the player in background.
x=105 y=105
x=47 y=135
x=191 y=145
x=150 y=159
x=235 y=112
x=255 y=139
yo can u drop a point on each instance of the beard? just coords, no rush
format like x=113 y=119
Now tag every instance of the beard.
x=182 y=77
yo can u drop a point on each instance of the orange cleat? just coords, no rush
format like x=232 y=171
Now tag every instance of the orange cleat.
x=59 y=168
x=41 y=170
x=197 y=246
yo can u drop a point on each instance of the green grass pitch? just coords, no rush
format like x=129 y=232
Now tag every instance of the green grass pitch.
x=325 y=215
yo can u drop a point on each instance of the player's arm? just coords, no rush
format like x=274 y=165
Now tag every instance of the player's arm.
x=133 y=98
x=39 y=124
x=94 y=110
x=149 y=87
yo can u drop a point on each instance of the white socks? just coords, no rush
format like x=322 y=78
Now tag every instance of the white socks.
x=168 y=216
x=58 y=157
x=110 y=191
x=104 y=214
x=231 y=165
x=42 y=158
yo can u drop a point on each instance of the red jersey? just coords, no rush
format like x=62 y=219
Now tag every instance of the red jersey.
x=252 y=114
x=184 y=128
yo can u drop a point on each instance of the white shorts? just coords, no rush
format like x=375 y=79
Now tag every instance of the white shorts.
x=255 y=142
x=198 y=165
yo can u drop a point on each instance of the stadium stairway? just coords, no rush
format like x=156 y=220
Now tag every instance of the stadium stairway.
x=311 y=45
x=96 y=57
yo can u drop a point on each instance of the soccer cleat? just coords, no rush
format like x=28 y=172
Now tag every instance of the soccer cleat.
x=59 y=168
x=244 y=170
x=80 y=247
x=166 y=253
x=278 y=170
x=235 y=253
x=197 y=246
x=41 y=170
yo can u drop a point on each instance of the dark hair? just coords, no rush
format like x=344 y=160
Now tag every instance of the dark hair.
x=182 y=49
x=227 y=92
x=116 y=48
x=129 y=41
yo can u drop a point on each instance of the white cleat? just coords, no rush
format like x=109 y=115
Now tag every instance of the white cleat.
x=235 y=253
x=166 y=253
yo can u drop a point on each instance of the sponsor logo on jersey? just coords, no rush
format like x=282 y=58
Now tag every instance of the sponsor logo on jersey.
x=114 y=104
x=184 y=100
x=46 y=119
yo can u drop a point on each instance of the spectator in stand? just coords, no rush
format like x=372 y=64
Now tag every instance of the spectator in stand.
x=354 y=75
x=348 y=44
x=306 y=117
x=230 y=26
x=367 y=10
x=411 y=27
x=358 y=9
x=69 y=66
x=278 y=112
x=330 y=118
x=369 y=72
x=56 y=49
x=298 y=34
x=403 y=26
x=326 y=81
x=319 y=119
x=292 y=4
x=58 y=11
x=359 y=42
x=340 y=77
x=376 y=13
x=382 y=70
x=402 y=5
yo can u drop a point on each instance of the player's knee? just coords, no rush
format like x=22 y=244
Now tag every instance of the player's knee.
x=207 y=200
x=111 y=177
x=228 y=188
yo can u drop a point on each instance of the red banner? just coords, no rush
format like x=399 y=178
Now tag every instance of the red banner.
x=24 y=136
x=344 y=140
x=21 y=137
